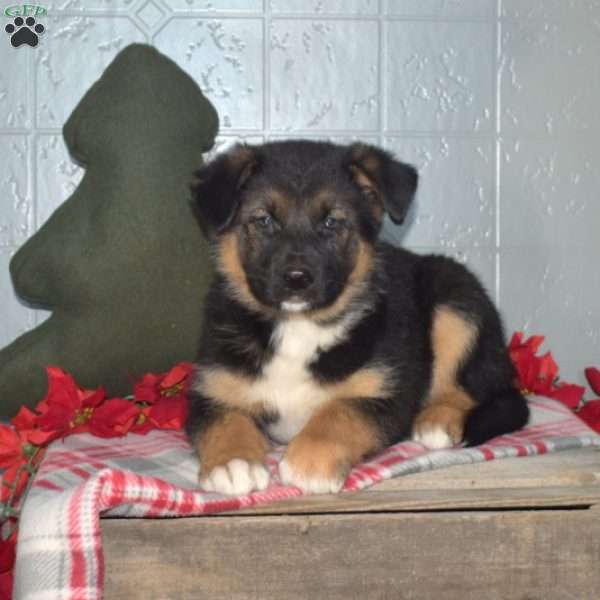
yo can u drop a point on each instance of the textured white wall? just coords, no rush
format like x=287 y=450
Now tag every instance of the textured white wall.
x=495 y=101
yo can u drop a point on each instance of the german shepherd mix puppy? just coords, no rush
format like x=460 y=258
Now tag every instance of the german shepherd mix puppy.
x=320 y=336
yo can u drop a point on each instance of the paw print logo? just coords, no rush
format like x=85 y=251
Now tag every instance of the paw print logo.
x=24 y=32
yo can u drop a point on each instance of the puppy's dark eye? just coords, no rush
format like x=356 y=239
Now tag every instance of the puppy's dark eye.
x=330 y=222
x=333 y=223
x=264 y=221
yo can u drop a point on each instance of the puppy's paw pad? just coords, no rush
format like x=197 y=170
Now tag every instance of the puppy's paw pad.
x=309 y=483
x=237 y=477
x=434 y=438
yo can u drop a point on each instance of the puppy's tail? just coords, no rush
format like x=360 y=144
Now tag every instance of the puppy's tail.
x=504 y=412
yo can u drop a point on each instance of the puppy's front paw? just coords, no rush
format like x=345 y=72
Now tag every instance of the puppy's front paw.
x=315 y=466
x=439 y=426
x=237 y=477
x=434 y=437
x=311 y=483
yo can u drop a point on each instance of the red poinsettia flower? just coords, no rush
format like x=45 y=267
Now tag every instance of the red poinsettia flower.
x=593 y=376
x=539 y=374
x=163 y=399
x=152 y=387
x=26 y=423
x=535 y=374
x=168 y=412
x=160 y=402
x=114 y=418
x=67 y=408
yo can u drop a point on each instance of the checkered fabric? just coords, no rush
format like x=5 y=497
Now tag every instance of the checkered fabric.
x=82 y=478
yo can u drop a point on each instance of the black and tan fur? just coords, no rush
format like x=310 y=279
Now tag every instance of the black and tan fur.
x=319 y=335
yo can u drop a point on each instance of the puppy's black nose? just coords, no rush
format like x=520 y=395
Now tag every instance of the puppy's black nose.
x=297 y=279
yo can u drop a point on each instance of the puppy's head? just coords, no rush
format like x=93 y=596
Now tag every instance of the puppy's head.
x=295 y=222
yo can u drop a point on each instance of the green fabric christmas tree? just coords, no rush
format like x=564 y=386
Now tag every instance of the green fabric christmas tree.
x=122 y=263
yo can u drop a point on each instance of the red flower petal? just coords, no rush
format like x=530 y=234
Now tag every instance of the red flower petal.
x=515 y=340
x=590 y=413
x=10 y=446
x=37 y=437
x=548 y=369
x=532 y=344
x=169 y=412
x=114 y=418
x=569 y=394
x=538 y=374
x=62 y=390
x=151 y=387
x=66 y=407
x=24 y=419
x=593 y=376
x=526 y=368
x=176 y=375
x=534 y=373
x=62 y=401
x=91 y=398
x=26 y=422
x=147 y=390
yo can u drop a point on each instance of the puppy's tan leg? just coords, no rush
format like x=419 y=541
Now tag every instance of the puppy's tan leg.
x=232 y=452
x=335 y=439
x=440 y=423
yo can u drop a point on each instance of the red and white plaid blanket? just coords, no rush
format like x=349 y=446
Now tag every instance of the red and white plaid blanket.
x=82 y=478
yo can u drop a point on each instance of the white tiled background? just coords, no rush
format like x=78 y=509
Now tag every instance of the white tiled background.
x=495 y=101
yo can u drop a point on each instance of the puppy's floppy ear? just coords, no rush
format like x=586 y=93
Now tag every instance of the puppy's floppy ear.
x=216 y=191
x=383 y=179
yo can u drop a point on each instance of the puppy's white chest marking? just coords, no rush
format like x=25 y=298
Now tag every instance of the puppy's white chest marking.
x=286 y=385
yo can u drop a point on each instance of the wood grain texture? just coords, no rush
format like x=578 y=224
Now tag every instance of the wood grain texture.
x=537 y=555
x=443 y=534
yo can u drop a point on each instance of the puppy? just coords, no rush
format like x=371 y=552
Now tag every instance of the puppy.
x=320 y=336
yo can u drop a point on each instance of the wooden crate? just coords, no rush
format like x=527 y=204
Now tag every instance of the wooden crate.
x=517 y=529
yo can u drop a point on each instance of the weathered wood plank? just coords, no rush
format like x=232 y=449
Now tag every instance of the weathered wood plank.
x=533 y=555
x=552 y=480
x=434 y=500
x=569 y=468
